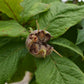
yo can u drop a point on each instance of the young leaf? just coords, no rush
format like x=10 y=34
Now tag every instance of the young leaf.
x=12 y=29
x=57 y=70
x=9 y=58
x=60 y=18
x=67 y=44
x=32 y=8
x=11 y=7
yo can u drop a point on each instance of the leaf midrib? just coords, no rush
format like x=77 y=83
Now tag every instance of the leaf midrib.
x=66 y=46
x=57 y=68
x=11 y=10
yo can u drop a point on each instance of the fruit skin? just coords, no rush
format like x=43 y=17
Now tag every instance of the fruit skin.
x=37 y=45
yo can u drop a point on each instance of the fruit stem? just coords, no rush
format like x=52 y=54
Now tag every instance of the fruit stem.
x=57 y=52
x=37 y=25
x=31 y=30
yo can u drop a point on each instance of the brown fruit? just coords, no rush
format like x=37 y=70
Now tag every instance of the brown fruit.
x=37 y=45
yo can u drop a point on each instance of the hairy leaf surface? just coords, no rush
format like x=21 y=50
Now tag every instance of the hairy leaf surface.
x=12 y=29
x=32 y=8
x=26 y=63
x=57 y=70
x=60 y=18
x=9 y=57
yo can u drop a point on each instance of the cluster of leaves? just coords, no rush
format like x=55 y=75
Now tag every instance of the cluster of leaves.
x=66 y=25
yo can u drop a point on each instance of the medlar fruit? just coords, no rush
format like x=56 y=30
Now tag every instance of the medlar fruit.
x=37 y=45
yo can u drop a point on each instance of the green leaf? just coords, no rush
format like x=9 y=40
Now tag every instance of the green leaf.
x=81 y=46
x=80 y=37
x=82 y=23
x=4 y=16
x=32 y=8
x=78 y=61
x=33 y=81
x=60 y=18
x=67 y=44
x=4 y=41
x=11 y=7
x=57 y=70
x=49 y=1
x=71 y=34
x=26 y=63
x=12 y=29
x=9 y=58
